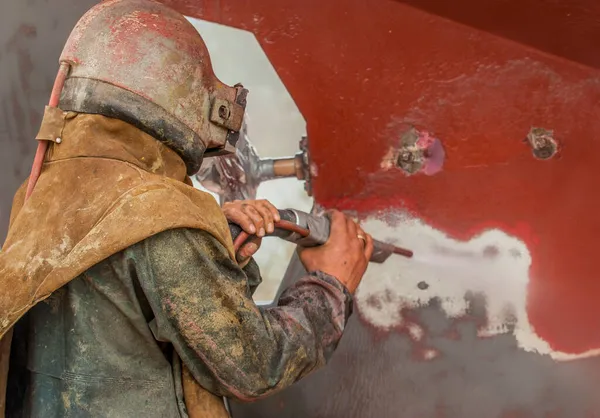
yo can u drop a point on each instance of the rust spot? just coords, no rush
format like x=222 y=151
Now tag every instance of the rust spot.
x=542 y=143
x=420 y=152
x=409 y=157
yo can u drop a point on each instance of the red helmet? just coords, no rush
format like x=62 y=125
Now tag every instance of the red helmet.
x=144 y=63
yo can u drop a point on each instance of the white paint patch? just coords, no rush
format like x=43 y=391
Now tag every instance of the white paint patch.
x=493 y=264
x=430 y=354
x=415 y=331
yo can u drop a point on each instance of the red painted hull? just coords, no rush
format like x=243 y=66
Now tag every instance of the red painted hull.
x=478 y=75
x=360 y=71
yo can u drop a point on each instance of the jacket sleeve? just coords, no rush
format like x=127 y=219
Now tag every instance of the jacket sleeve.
x=253 y=276
x=203 y=305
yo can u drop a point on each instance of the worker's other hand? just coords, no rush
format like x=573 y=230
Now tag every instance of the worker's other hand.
x=256 y=217
x=344 y=256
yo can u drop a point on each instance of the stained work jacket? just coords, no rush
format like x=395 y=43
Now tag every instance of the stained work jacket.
x=128 y=299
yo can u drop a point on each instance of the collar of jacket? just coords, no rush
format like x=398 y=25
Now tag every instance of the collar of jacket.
x=79 y=135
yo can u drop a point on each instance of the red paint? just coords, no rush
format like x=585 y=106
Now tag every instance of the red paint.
x=538 y=23
x=360 y=70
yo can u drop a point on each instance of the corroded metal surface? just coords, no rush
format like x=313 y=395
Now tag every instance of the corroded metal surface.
x=418 y=152
x=542 y=143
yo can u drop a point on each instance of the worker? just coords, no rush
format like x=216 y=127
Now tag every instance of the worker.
x=120 y=292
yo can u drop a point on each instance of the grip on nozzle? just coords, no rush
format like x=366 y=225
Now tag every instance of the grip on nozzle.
x=284 y=215
x=318 y=229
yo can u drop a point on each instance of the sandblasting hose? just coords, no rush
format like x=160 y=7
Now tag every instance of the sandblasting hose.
x=307 y=230
x=40 y=153
x=285 y=227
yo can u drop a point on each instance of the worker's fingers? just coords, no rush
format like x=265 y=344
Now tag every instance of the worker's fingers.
x=256 y=218
x=366 y=241
x=352 y=227
x=267 y=215
x=242 y=214
x=271 y=208
x=369 y=247
x=237 y=216
x=253 y=216
x=249 y=249
x=361 y=235
x=338 y=222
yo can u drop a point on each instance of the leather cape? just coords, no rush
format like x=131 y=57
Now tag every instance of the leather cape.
x=105 y=185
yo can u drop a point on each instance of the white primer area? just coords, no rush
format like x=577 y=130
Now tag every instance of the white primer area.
x=451 y=269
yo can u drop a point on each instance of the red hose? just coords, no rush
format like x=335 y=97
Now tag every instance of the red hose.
x=40 y=153
x=285 y=225
x=292 y=227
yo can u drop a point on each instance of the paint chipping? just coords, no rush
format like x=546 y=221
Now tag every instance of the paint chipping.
x=419 y=152
x=485 y=265
x=389 y=159
x=542 y=143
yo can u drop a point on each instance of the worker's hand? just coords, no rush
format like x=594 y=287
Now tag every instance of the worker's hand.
x=344 y=256
x=256 y=217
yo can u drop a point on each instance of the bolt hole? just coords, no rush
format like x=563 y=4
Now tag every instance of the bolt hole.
x=542 y=142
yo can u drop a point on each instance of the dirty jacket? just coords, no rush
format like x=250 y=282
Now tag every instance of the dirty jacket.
x=140 y=288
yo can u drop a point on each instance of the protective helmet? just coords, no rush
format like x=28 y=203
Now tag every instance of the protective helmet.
x=144 y=63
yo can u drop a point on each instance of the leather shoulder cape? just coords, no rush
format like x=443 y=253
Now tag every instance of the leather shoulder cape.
x=104 y=187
